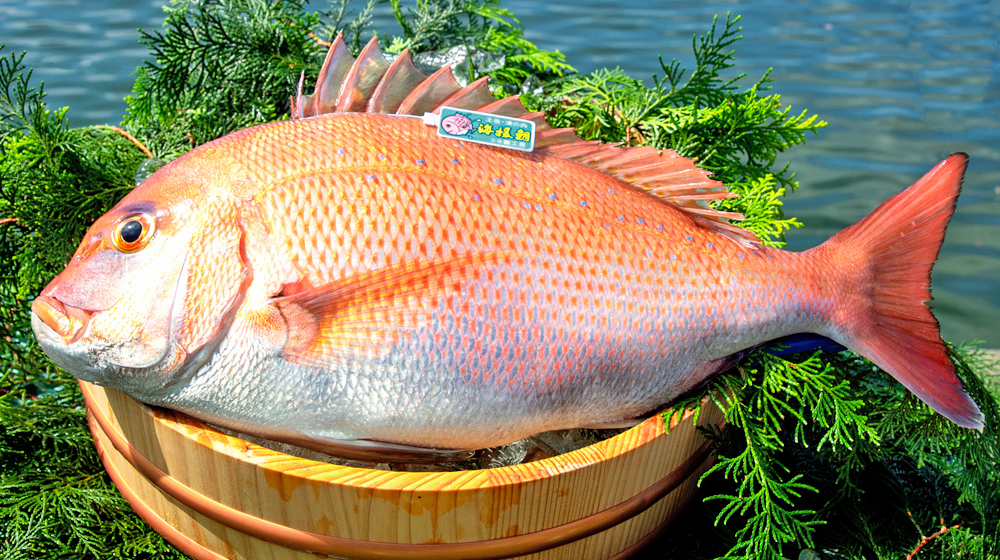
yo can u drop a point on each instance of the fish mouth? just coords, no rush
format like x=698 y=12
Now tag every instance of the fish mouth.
x=67 y=321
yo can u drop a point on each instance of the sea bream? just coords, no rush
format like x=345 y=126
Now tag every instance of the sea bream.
x=349 y=277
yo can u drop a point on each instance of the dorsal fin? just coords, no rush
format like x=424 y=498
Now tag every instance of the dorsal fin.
x=429 y=94
x=399 y=80
x=371 y=84
x=331 y=75
x=475 y=94
x=362 y=79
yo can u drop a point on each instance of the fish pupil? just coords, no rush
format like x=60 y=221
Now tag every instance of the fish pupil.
x=131 y=231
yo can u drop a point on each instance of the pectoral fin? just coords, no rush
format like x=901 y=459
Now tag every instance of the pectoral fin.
x=365 y=314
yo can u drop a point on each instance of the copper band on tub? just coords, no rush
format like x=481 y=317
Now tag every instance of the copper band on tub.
x=183 y=543
x=503 y=547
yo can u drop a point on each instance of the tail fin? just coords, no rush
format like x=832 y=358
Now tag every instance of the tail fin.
x=901 y=240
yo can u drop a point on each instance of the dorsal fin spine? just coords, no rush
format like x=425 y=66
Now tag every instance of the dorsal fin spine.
x=401 y=77
x=335 y=67
x=362 y=79
x=471 y=96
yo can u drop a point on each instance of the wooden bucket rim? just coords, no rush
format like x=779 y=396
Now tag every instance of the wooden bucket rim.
x=503 y=547
x=361 y=477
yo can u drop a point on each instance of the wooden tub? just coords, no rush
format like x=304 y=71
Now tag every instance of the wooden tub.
x=214 y=496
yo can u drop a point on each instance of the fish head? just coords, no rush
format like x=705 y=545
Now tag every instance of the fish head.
x=111 y=317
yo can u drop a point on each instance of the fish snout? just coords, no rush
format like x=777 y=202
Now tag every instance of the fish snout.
x=68 y=321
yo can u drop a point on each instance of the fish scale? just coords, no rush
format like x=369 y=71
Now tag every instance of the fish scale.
x=354 y=283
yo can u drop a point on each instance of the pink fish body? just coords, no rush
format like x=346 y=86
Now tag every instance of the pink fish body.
x=352 y=277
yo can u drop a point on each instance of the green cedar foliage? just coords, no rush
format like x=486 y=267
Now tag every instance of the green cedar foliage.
x=823 y=451
x=490 y=36
x=55 y=500
x=219 y=67
x=827 y=452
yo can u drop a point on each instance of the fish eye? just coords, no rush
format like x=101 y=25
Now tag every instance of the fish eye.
x=132 y=233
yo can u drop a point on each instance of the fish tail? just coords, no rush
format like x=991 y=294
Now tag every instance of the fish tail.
x=894 y=249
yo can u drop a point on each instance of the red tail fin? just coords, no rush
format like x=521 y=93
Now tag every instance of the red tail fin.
x=901 y=240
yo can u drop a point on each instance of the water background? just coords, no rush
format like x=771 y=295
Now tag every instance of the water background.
x=902 y=84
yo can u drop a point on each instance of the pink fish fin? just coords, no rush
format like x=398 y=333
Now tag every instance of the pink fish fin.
x=397 y=82
x=541 y=125
x=371 y=84
x=430 y=93
x=892 y=251
x=663 y=174
x=726 y=229
x=331 y=75
x=361 y=79
x=299 y=100
x=547 y=139
x=508 y=106
x=471 y=97
x=363 y=315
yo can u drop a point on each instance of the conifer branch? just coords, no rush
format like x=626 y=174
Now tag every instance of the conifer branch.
x=131 y=139
x=924 y=540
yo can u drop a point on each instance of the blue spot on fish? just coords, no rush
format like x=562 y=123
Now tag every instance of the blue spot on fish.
x=553 y=197
x=641 y=221
x=341 y=151
x=583 y=203
x=649 y=252
x=621 y=218
x=381 y=156
x=612 y=191
x=498 y=181
x=538 y=207
x=370 y=177
x=688 y=238
x=454 y=160
x=740 y=255
x=659 y=227
x=475 y=197
x=420 y=162
x=709 y=245
x=673 y=257
x=527 y=205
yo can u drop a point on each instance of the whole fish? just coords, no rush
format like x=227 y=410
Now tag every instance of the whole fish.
x=348 y=278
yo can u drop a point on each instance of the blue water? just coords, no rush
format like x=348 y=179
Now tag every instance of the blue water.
x=902 y=84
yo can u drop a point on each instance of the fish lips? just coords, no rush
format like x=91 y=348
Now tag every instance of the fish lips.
x=66 y=335
x=60 y=341
x=67 y=321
